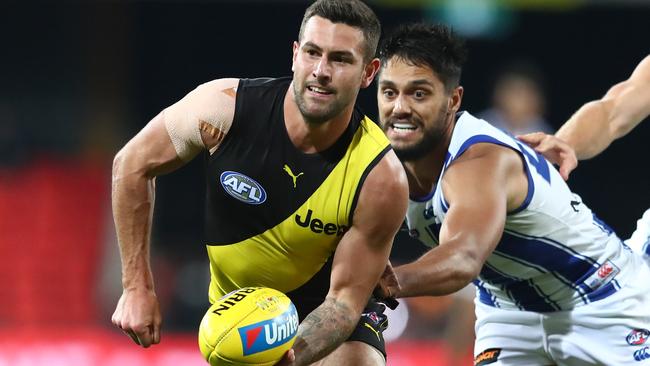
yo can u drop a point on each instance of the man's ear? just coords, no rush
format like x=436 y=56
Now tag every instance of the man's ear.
x=369 y=73
x=295 y=48
x=456 y=99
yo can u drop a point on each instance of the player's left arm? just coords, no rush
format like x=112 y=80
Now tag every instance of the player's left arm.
x=481 y=186
x=359 y=261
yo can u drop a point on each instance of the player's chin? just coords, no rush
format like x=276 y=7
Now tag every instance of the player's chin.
x=319 y=113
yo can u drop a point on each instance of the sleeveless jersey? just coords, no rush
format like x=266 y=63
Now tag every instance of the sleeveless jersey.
x=274 y=213
x=554 y=254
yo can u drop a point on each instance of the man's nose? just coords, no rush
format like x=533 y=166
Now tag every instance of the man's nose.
x=401 y=106
x=323 y=71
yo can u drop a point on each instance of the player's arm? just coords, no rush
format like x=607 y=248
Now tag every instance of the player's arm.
x=480 y=187
x=360 y=259
x=168 y=141
x=597 y=123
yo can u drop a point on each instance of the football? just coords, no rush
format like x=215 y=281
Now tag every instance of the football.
x=249 y=326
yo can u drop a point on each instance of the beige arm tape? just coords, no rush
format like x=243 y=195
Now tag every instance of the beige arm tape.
x=202 y=118
x=185 y=137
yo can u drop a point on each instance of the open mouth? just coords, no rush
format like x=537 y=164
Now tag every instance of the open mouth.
x=403 y=127
x=319 y=90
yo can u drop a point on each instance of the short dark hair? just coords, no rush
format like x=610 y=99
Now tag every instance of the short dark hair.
x=423 y=44
x=521 y=69
x=350 y=12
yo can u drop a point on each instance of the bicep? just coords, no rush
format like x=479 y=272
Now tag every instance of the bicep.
x=362 y=254
x=480 y=190
x=149 y=153
x=474 y=227
x=630 y=99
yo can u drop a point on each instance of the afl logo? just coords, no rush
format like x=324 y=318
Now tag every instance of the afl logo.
x=637 y=337
x=243 y=188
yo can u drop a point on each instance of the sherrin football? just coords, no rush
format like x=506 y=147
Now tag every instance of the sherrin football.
x=249 y=326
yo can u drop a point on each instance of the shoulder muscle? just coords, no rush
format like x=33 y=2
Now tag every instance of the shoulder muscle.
x=383 y=198
x=202 y=118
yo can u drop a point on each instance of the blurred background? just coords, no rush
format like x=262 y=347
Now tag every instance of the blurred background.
x=78 y=79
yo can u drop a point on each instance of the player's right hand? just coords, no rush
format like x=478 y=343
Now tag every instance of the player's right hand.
x=138 y=315
x=554 y=150
x=387 y=287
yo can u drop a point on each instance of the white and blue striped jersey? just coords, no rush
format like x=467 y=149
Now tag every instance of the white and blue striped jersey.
x=555 y=254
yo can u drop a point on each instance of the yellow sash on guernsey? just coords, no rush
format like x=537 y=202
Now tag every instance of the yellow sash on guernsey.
x=286 y=256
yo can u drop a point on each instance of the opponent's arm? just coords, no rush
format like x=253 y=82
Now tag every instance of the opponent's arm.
x=481 y=186
x=360 y=259
x=598 y=123
x=169 y=140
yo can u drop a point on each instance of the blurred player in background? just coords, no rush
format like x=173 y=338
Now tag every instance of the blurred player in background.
x=594 y=127
x=554 y=284
x=304 y=193
x=518 y=100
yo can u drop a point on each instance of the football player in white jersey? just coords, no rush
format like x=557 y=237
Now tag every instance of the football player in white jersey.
x=594 y=127
x=555 y=285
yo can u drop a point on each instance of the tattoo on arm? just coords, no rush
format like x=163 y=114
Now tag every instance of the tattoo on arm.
x=323 y=330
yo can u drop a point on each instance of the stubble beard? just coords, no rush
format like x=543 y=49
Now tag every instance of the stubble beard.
x=431 y=138
x=320 y=116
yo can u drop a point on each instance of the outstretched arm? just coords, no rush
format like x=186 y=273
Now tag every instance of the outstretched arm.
x=169 y=140
x=481 y=187
x=598 y=123
x=360 y=259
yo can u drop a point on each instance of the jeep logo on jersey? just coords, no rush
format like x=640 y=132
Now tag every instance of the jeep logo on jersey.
x=318 y=226
x=263 y=336
x=243 y=188
x=637 y=337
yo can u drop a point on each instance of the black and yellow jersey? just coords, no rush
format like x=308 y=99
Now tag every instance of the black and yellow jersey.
x=274 y=213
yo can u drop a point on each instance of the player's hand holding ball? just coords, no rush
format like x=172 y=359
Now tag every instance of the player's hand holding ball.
x=249 y=326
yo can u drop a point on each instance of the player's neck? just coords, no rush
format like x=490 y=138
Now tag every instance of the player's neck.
x=313 y=137
x=423 y=173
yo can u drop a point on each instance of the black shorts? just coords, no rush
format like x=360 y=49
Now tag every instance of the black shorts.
x=371 y=326
x=373 y=321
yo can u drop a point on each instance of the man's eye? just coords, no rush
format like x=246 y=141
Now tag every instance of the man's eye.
x=389 y=93
x=420 y=94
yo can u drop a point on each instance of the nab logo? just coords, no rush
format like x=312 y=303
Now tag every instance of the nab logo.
x=243 y=188
x=263 y=336
x=637 y=337
x=642 y=354
x=318 y=226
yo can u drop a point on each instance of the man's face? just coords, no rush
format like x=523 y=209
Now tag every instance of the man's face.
x=328 y=69
x=414 y=108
